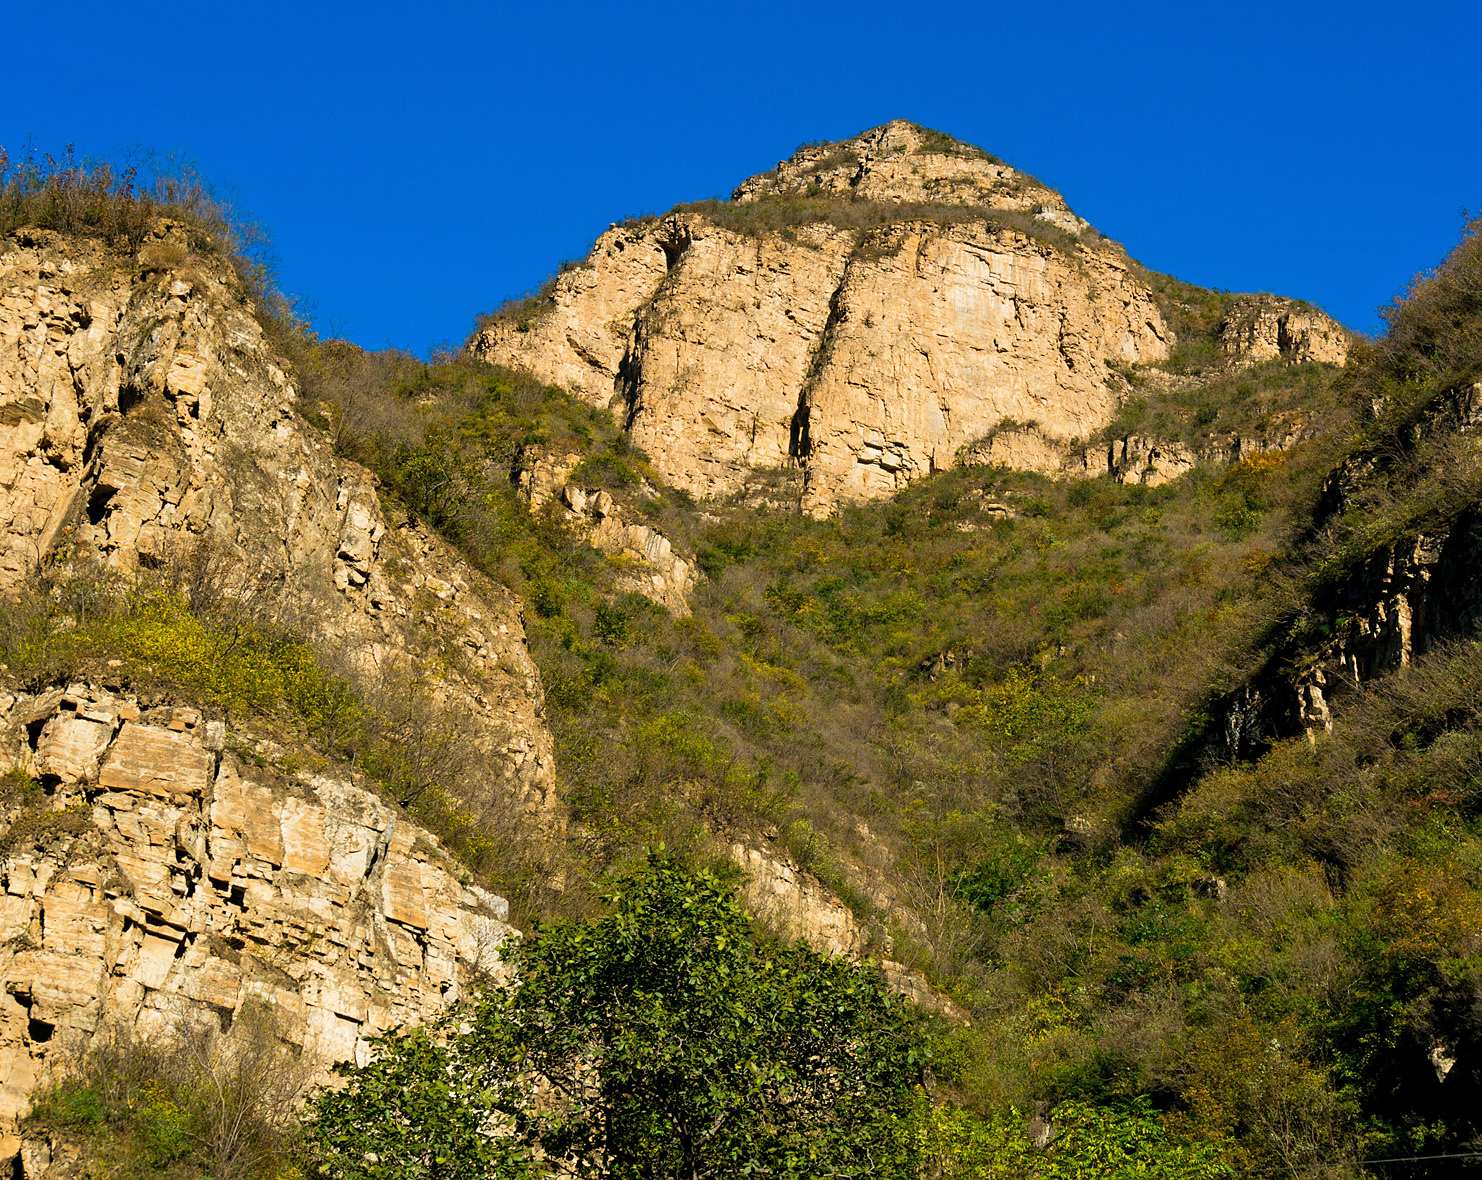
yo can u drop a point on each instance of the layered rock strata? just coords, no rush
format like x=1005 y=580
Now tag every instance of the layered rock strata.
x=146 y=423
x=922 y=298
x=154 y=877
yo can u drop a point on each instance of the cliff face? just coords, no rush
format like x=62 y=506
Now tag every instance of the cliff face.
x=156 y=868
x=144 y=423
x=921 y=294
x=159 y=877
x=1265 y=327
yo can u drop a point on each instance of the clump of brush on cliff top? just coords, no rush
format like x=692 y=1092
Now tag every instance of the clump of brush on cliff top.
x=900 y=171
x=153 y=213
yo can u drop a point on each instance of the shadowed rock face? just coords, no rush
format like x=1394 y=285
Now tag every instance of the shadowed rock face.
x=160 y=880
x=866 y=351
x=145 y=422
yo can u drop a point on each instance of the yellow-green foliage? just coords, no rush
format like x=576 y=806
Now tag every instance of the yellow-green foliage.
x=233 y=666
x=1088 y=1143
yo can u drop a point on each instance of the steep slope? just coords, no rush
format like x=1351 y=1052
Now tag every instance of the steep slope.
x=166 y=857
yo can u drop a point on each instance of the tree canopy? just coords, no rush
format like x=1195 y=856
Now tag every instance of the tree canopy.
x=668 y=1038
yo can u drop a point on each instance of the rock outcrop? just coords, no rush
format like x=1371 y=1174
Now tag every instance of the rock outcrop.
x=155 y=873
x=1265 y=327
x=654 y=569
x=902 y=163
x=796 y=904
x=145 y=422
x=1407 y=597
x=907 y=295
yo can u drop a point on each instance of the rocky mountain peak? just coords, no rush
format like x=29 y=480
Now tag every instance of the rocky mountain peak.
x=861 y=314
x=905 y=163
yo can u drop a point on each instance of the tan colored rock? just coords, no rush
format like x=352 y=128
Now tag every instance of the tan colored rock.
x=161 y=762
x=868 y=357
x=1265 y=327
x=198 y=457
x=900 y=162
x=190 y=890
x=71 y=746
x=1148 y=461
x=1021 y=448
x=796 y=904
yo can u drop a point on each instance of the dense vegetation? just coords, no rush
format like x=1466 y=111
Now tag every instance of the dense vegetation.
x=1010 y=687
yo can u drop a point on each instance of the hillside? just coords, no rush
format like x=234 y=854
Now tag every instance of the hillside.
x=1139 y=743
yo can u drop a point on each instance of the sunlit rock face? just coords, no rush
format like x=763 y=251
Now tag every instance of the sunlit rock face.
x=931 y=294
x=157 y=878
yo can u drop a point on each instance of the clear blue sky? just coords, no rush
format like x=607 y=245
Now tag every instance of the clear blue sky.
x=417 y=165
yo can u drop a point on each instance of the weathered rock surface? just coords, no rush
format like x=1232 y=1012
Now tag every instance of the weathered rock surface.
x=1133 y=458
x=145 y=422
x=1408 y=597
x=657 y=571
x=1265 y=327
x=160 y=878
x=866 y=351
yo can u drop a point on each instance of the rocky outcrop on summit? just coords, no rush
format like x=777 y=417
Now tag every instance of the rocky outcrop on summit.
x=906 y=164
x=157 y=879
x=146 y=423
x=922 y=294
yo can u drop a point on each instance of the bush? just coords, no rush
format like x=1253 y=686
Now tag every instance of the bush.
x=1436 y=327
x=199 y=1100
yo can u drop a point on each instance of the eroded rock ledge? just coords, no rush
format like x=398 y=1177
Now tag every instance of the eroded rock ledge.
x=160 y=874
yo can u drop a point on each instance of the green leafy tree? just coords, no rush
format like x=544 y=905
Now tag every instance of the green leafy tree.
x=418 y=1111
x=666 y=1039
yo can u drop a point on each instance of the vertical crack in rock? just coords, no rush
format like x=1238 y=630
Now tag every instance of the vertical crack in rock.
x=800 y=438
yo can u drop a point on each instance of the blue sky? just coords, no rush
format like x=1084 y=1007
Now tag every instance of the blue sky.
x=416 y=166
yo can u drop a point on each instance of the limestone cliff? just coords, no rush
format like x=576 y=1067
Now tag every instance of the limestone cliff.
x=145 y=422
x=156 y=867
x=1265 y=327
x=160 y=873
x=863 y=312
